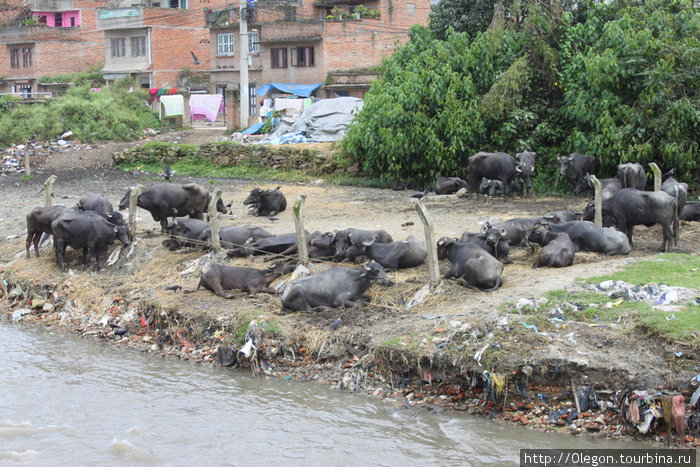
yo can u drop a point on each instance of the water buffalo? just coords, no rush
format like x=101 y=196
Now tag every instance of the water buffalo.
x=527 y=158
x=499 y=166
x=575 y=166
x=265 y=202
x=165 y=200
x=275 y=244
x=88 y=231
x=348 y=242
x=629 y=207
x=492 y=187
x=632 y=175
x=334 y=287
x=516 y=229
x=233 y=236
x=394 y=255
x=691 y=211
x=609 y=186
x=101 y=205
x=318 y=247
x=185 y=233
x=564 y=215
x=471 y=265
x=557 y=248
x=492 y=240
x=219 y=278
x=38 y=223
x=678 y=190
x=449 y=185
x=587 y=236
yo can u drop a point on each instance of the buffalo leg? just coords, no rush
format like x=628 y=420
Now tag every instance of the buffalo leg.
x=60 y=252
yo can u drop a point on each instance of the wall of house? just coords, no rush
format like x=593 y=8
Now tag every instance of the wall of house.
x=67 y=16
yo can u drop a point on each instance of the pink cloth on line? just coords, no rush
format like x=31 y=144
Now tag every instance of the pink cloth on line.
x=205 y=104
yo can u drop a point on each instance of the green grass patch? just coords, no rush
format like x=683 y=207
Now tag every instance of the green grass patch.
x=668 y=268
x=392 y=342
x=26 y=177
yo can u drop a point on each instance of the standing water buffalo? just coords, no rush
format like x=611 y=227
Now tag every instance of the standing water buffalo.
x=449 y=185
x=220 y=278
x=165 y=200
x=629 y=207
x=88 y=231
x=678 y=190
x=499 y=166
x=334 y=287
x=471 y=264
x=39 y=222
x=575 y=166
x=609 y=186
x=632 y=175
x=527 y=158
x=557 y=249
x=265 y=202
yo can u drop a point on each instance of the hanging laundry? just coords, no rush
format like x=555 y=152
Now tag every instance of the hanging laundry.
x=172 y=106
x=205 y=104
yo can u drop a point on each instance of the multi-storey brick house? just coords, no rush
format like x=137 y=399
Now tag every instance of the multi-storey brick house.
x=196 y=43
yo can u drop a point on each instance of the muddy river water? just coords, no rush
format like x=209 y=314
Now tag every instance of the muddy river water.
x=72 y=401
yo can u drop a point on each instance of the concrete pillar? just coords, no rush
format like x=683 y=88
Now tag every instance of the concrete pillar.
x=299 y=225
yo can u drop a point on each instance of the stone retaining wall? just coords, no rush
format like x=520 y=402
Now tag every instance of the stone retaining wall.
x=313 y=161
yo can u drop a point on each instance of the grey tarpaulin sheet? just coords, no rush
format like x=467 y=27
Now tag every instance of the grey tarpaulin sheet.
x=324 y=120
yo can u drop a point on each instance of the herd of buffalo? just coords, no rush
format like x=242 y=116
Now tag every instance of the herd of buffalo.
x=476 y=259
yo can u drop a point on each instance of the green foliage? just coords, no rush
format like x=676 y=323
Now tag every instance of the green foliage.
x=116 y=113
x=93 y=77
x=618 y=80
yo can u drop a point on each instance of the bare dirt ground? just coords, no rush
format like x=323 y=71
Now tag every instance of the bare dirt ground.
x=384 y=327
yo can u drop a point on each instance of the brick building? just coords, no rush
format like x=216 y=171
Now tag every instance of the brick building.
x=195 y=45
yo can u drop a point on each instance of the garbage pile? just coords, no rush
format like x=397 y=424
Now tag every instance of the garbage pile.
x=659 y=295
x=12 y=158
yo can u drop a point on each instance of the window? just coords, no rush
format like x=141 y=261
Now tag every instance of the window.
x=118 y=48
x=138 y=46
x=303 y=56
x=26 y=57
x=14 y=58
x=410 y=8
x=72 y=21
x=58 y=20
x=253 y=41
x=279 y=58
x=224 y=44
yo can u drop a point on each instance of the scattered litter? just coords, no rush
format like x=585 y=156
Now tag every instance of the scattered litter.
x=480 y=353
x=656 y=294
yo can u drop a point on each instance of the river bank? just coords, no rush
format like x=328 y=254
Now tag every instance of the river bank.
x=434 y=354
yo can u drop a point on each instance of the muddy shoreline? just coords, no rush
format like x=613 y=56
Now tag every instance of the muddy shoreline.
x=424 y=355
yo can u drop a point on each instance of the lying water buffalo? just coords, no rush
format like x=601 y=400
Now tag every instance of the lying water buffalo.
x=492 y=187
x=265 y=202
x=101 y=205
x=185 y=233
x=630 y=207
x=395 y=255
x=499 y=166
x=165 y=200
x=219 y=278
x=557 y=248
x=334 y=287
x=275 y=244
x=575 y=166
x=449 y=185
x=632 y=175
x=471 y=265
x=691 y=211
x=233 y=236
x=348 y=242
x=88 y=231
x=561 y=216
x=587 y=236
x=516 y=229
x=492 y=240
x=39 y=222
x=609 y=186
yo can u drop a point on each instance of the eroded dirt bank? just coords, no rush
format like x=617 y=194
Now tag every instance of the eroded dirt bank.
x=435 y=353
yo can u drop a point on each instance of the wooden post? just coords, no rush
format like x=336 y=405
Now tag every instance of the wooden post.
x=133 y=198
x=27 y=168
x=598 y=200
x=48 y=186
x=657 y=175
x=214 y=221
x=299 y=225
x=430 y=243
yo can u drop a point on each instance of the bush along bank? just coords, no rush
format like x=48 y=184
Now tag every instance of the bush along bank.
x=320 y=160
x=503 y=379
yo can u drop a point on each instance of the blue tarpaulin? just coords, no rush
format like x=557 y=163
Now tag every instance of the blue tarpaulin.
x=301 y=90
